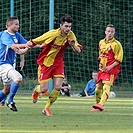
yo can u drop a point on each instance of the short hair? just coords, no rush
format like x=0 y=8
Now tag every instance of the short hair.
x=11 y=19
x=67 y=19
x=94 y=71
x=110 y=25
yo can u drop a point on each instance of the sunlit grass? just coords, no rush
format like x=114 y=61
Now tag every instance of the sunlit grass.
x=71 y=115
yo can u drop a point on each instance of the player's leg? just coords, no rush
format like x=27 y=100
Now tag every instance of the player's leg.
x=105 y=94
x=99 y=87
x=98 y=94
x=6 y=80
x=2 y=103
x=43 y=87
x=4 y=92
x=54 y=95
x=58 y=74
x=98 y=91
x=17 y=78
x=106 y=91
x=44 y=75
x=1 y=94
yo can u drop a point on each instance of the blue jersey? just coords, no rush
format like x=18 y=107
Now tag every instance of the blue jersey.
x=90 y=87
x=8 y=55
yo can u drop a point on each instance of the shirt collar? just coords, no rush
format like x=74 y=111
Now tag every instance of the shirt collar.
x=110 y=41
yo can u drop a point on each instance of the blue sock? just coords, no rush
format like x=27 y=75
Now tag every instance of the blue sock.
x=2 y=96
x=4 y=100
x=13 y=89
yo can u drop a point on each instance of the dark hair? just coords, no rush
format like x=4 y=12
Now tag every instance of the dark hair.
x=67 y=19
x=94 y=71
x=11 y=19
x=110 y=25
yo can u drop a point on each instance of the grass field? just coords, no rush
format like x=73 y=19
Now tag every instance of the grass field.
x=70 y=115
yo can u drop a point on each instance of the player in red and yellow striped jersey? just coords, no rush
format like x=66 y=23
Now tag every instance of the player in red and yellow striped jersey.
x=50 y=60
x=110 y=57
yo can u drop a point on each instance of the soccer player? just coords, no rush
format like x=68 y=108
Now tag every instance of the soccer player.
x=50 y=60
x=11 y=42
x=89 y=90
x=2 y=103
x=110 y=57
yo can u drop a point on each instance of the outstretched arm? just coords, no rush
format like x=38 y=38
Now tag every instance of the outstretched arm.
x=18 y=46
x=22 y=51
x=39 y=46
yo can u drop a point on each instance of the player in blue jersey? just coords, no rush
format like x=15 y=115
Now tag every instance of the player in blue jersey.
x=2 y=103
x=11 y=42
x=89 y=90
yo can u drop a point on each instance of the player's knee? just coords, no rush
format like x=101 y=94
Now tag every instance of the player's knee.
x=15 y=76
x=43 y=89
x=18 y=78
x=58 y=88
x=99 y=86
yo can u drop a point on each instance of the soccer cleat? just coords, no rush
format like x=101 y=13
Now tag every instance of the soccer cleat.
x=47 y=112
x=12 y=106
x=34 y=96
x=98 y=106
x=2 y=103
x=95 y=110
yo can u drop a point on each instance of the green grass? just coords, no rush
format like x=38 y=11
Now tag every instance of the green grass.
x=70 y=115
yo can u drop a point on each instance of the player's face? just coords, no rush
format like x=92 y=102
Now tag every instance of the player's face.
x=109 y=32
x=94 y=76
x=14 y=26
x=65 y=28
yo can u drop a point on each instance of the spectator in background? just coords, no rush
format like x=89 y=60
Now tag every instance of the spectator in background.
x=89 y=90
x=65 y=91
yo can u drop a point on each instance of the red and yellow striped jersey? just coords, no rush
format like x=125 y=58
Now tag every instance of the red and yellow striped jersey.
x=109 y=53
x=55 y=45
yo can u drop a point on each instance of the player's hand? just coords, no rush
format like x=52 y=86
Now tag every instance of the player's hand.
x=21 y=65
x=106 y=69
x=29 y=44
x=71 y=42
x=100 y=65
x=16 y=49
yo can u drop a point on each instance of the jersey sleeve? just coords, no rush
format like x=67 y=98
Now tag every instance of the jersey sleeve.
x=6 y=40
x=44 y=39
x=118 y=51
